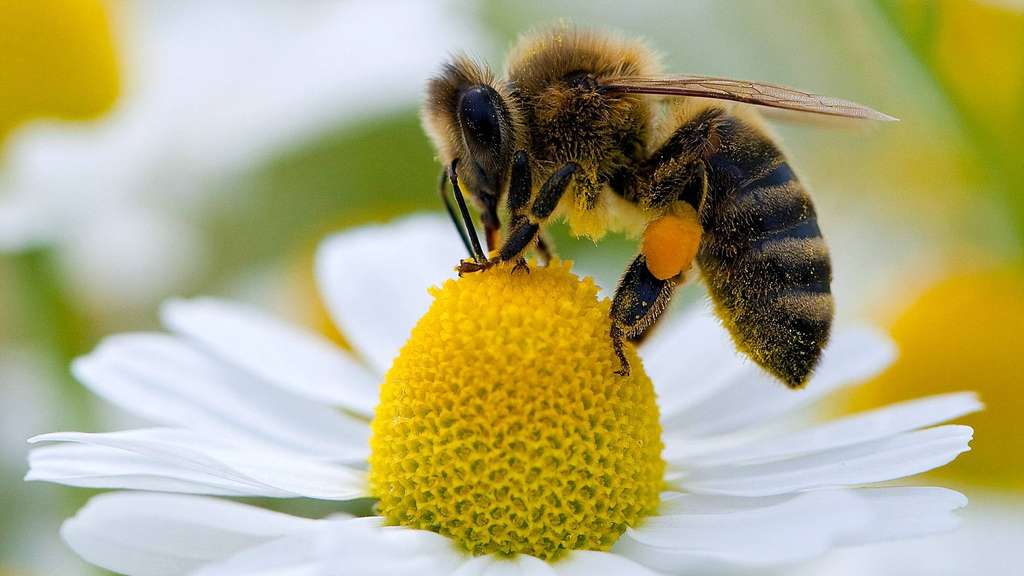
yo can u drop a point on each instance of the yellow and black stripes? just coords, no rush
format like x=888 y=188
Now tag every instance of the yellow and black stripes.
x=763 y=258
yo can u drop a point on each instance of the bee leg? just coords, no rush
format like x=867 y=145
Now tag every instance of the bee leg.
x=544 y=249
x=476 y=251
x=528 y=228
x=520 y=185
x=492 y=223
x=524 y=229
x=639 y=301
x=442 y=191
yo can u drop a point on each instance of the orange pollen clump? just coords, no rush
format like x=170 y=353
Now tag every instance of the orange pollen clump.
x=670 y=243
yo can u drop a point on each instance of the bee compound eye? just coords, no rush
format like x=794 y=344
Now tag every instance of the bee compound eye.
x=480 y=119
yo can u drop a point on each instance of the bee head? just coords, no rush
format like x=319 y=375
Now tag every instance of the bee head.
x=473 y=119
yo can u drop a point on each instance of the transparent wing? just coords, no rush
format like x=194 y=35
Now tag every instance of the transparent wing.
x=758 y=93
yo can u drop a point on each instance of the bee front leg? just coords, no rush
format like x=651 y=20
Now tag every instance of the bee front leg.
x=476 y=251
x=525 y=228
x=442 y=187
x=639 y=300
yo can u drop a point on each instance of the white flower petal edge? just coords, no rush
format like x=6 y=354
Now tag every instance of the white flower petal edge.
x=906 y=512
x=876 y=461
x=374 y=280
x=694 y=529
x=520 y=565
x=288 y=556
x=297 y=360
x=793 y=528
x=156 y=535
x=101 y=467
x=752 y=398
x=591 y=563
x=365 y=546
x=192 y=457
x=168 y=380
x=849 y=430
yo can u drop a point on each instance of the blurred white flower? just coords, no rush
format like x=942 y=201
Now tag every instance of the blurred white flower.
x=30 y=405
x=249 y=406
x=211 y=88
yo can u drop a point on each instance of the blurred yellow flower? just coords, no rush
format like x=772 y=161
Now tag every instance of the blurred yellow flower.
x=974 y=49
x=964 y=332
x=58 y=61
x=979 y=56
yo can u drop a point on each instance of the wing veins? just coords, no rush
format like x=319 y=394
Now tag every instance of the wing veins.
x=756 y=93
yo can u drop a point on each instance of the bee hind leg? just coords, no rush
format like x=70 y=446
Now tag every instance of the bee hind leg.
x=639 y=301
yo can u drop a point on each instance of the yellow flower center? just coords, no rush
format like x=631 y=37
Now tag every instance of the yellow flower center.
x=502 y=424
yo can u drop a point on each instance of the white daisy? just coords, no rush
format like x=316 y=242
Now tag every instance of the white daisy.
x=499 y=437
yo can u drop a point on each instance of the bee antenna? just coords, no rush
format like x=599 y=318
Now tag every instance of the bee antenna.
x=476 y=252
x=442 y=190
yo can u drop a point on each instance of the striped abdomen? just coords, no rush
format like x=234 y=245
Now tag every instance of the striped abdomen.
x=762 y=255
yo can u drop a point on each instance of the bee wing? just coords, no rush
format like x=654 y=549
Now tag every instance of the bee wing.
x=759 y=93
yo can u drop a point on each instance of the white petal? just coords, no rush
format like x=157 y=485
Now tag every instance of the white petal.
x=166 y=379
x=374 y=280
x=518 y=565
x=855 y=429
x=763 y=531
x=893 y=512
x=102 y=467
x=755 y=397
x=593 y=563
x=689 y=359
x=265 y=473
x=159 y=534
x=294 y=555
x=908 y=511
x=297 y=360
x=877 y=461
x=366 y=547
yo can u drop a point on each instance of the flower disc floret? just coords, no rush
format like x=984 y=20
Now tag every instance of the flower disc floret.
x=503 y=426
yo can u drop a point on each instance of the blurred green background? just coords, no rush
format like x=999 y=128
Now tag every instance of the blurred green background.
x=165 y=148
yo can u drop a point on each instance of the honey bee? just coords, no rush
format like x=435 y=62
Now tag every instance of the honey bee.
x=583 y=126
